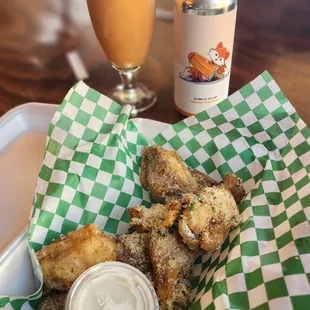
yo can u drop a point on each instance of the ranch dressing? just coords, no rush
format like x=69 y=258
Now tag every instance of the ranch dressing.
x=112 y=286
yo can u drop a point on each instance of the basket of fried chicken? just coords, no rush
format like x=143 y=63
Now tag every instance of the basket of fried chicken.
x=191 y=215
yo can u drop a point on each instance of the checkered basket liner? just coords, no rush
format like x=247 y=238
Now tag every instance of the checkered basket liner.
x=255 y=133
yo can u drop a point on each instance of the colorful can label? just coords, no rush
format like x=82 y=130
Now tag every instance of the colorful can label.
x=203 y=58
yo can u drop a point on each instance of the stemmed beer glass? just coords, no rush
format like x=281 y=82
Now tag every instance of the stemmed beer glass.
x=124 y=29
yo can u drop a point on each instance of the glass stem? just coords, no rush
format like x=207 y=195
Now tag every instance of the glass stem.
x=128 y=78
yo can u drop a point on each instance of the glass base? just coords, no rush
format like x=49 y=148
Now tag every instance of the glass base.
x=139 y=97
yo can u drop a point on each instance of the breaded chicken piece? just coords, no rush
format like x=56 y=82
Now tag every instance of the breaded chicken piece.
x=172 y=263
x=234 y=184
x=53 y=301
x=158 y=216
x=64 y=260
x=133 y=250
x=164 y=174
x=207 y=218
x=202 y=179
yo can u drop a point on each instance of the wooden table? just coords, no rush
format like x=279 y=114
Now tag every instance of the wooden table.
x=271 y=35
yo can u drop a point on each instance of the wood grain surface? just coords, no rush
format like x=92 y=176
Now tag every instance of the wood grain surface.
x=271 y=35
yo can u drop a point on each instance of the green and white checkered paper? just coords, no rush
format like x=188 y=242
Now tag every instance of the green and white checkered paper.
x=90 y=174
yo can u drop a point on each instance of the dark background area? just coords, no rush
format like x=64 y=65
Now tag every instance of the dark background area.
x=271 y=35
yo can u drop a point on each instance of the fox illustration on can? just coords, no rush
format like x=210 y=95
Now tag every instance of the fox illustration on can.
x=203 y=70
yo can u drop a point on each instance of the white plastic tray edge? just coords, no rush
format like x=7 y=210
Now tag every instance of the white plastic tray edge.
x=30 y=116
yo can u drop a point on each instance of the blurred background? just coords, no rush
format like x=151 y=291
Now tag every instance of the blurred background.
x=36 y=36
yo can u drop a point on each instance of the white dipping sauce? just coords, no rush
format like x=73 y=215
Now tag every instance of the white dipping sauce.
x=112 y=286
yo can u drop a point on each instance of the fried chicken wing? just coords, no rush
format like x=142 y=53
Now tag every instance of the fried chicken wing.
x=234 y=184
x=53 y=301
x=133 y=250
x=172 y=265
x=202 y=179
x=158 y=216
x=164 y=174
x=66 y=258
x=207 y=218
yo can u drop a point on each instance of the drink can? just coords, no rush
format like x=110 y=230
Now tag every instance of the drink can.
x=204 y=39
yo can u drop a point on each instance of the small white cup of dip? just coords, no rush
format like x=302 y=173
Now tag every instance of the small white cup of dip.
x=112 y=286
